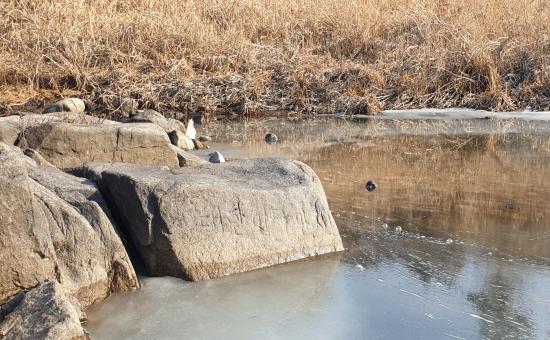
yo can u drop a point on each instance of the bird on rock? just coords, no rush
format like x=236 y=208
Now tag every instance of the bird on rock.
x=190 y=131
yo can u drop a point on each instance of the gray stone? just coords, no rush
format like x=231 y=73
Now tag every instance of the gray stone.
x=74 y=105
x=69 y=146
x=9 y=306
x=10 y=127
x=37 y=158
x=152 y=116
x=180 y=140
x=45 y=313
x=198 y=145
x=216 y=157
x=56 y=226
x=271 y=138
x=31 y=120
x=214 y=220
x=203 y=138
x=188 y=159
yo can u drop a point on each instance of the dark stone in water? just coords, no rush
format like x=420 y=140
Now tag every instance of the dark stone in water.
x=271 y=138
x=216 y=157
x=371 y=186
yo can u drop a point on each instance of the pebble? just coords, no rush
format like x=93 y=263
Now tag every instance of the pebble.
x=271 y=138
x=398 y=229
x=371 y=186
x=216 y=157
x=205 y=138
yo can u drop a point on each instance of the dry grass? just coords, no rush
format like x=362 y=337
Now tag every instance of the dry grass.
x=252 y=56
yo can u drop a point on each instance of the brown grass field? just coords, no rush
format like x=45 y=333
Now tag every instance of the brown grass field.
x=259 y=56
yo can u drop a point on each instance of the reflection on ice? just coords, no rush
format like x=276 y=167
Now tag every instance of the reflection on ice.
x=394 y=288
x=455 y=243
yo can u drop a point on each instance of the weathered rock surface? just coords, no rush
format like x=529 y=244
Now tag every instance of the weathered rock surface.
x=152 y=116
x=10 y=127
x=74 y=105
x=56 y=227
x=37 y=158
x=215 y=220
x=174 y=128
x=69 y=146
x=45 y=312
x=187 y=159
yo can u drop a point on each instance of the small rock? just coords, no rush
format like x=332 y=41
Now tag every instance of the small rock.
x=198 y=144
x=74 y=105
x=187 y=159
x=398 y=229
x=385 y=226
x=371 y=186
x=180 y=140
x=216 y=157
x=449 y=241
x=271 y=138
x=204 y=138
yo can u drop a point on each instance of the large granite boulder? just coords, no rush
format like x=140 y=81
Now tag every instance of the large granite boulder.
x=44 y=313
x=69 y=146
x=217 y=219
x=55 y=226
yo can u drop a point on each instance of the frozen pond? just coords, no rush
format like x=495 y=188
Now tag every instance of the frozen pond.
x=454 y=243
